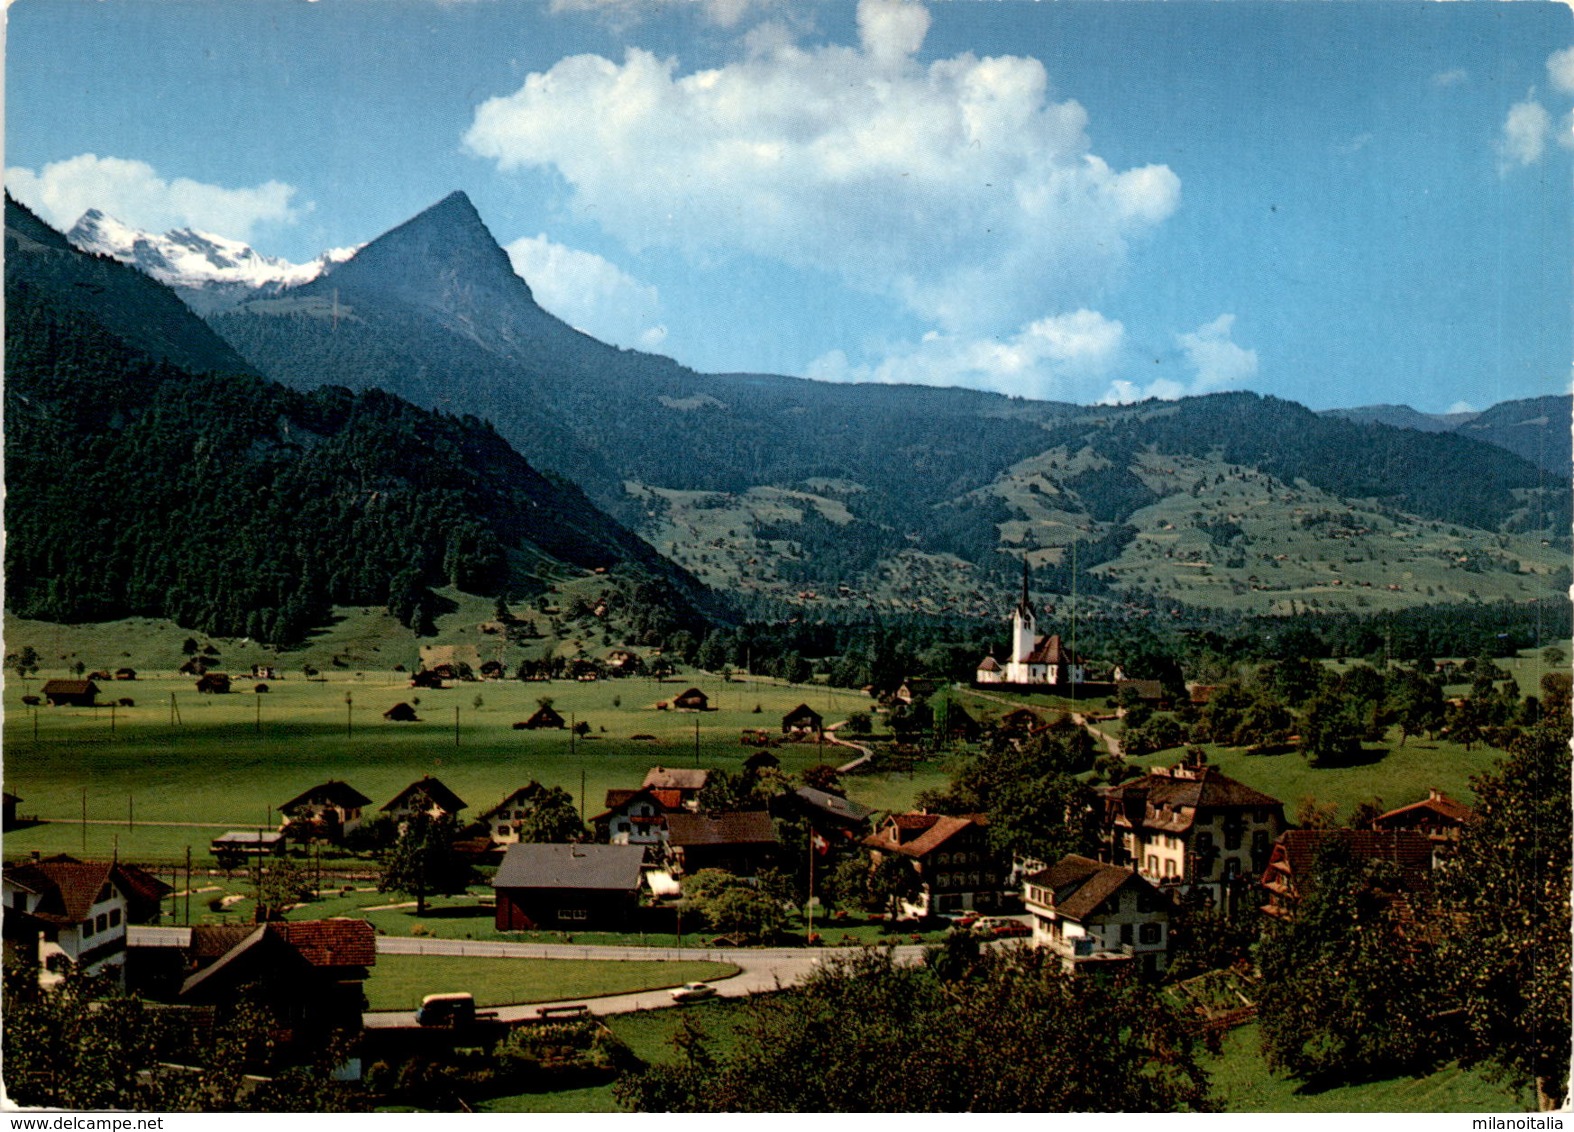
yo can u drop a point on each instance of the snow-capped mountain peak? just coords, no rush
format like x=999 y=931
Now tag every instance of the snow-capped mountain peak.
x=194 y=262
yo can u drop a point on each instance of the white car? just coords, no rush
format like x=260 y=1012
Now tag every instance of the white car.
x=692 y=992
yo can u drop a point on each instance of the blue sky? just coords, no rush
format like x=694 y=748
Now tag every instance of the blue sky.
x=1340 y=204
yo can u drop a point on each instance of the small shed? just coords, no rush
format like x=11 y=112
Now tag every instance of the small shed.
x=70 y=693
x=216 y=683
x=545 y=717
x=692 y=700
x=803 y=720
x=8 y=814
x=248 y=843
x=125 y=674
x=761 y=760
x=401 y=712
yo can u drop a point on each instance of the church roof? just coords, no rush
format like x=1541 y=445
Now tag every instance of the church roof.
x=1049 y=650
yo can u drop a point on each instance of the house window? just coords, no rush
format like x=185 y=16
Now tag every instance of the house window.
x=114 y=917
x=972 y=880
x=103 y=921
x=87 y=927
x=502 y=831
x=1204 y=844
x=943 y=859
x=1169 y=866
x=1152 y=933
x=1232 y=836
x=1153 y=864
x=573 y=914
x=1125 y=933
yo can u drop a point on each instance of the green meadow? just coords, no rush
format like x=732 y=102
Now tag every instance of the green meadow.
x=399 y=982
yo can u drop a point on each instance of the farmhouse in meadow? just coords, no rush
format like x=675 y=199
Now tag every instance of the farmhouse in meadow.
x=428 y=796
x=329 y=811
x=678 y=787
x=691 y=700
x=70 y=693
x=544 y=718
x=803 y=720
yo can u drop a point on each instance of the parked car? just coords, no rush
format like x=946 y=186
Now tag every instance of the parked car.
x=692 y=992
x=452 y=1010
x=1009 y=929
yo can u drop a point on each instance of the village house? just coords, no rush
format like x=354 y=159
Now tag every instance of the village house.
x=916 y=690
x=691 y=700
x=328 y=811
x=836 y=821
x=1033 y=659
x=307 y=973
x=803 y=720
x=957 y=870
x=502 y=823
x=567 y=887
x=1292 y=867
x=70 y=693
x=636 y=817
x=544 y=719
x=59 y=908
x=1437 y=817
x=239 y=844
x=684 y=784
x=1192 y=829
x=1090 y=913
x=741 y=842
x=428 y=796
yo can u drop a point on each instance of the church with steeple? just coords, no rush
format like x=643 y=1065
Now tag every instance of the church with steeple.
x=1034 y=659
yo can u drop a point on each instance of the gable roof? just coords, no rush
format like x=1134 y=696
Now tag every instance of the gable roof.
x=545 y=716
x=620 y=799
x=833 y=804
x=430 y=789
x=1294 y=855
x=691 y=694
x=917 y=835
x=1436 y=802
x=69 y=888
x=1049 y=650
x=330 y=793
x=675 y=778
x=803 y=712
x=605 y=868
x=1081 y=885
x=989 y=664
x=746 y=827
x=1171 y=801
x=68 y=687
x=329 y=944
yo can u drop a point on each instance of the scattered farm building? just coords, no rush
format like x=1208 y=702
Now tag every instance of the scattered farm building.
x=328 y=811
x=544 y=718
x=401 y=712
x=803 y=720
x=691 y=700
x=1294 y=861
x=70 y=693
x=427 y=796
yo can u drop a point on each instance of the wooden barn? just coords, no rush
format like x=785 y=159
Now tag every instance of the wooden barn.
x=70 y=693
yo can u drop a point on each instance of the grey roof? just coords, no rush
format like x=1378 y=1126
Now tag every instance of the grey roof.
x=675 y=778
x=833 y=804
x=746 y=827
x=609 y=868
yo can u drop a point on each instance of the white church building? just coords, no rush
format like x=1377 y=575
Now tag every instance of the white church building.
x=1034 y=659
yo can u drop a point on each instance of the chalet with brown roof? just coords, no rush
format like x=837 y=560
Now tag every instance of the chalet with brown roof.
x=544 y=718
x=125 y=674
x=328 y=811
x=957 y=869
x=1437 y=817
x=1192 y=829
x=70 y=693
x=691 y=700
x=502 y=823
x=428 y=796
x=914 y=689
x=1292 y=867
x=1090 y=913
x=741 y=843
x=308 y=973
x=683 y=784
x=63 y=909
x=803 y=720
x=214 y=683
x=636 y=817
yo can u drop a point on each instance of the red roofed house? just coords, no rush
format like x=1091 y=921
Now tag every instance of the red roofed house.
x=741 y=842
x=682 y=785
x=1293 y=863
x=307 y=972
x=78 y=910
x=329 y=810
x=1437 y=817
x=1191 y=828
x=636 y=817
x=1087 y=912
x=958 y=870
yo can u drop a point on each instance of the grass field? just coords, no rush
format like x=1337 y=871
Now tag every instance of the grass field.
x=1242 y=1082
x=399 y=982
x=231 y=760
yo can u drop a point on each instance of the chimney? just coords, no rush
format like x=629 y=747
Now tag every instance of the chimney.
x=1433 y=794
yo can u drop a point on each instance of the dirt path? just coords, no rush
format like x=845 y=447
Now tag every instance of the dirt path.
x=1111 y=744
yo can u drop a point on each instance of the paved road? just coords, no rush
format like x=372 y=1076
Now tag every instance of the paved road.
x=760 y=969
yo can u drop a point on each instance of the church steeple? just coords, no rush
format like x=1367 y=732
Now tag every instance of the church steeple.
x=1024 y=629
x=1024 y=607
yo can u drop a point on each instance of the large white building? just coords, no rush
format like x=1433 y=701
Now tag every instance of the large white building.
x=1034 y=659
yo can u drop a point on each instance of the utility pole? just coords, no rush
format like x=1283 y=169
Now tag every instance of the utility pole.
x=130 y=820
x=696 y=741
x=456 y=725
x=188 y=885
x=258 y=727
x=349 y=703
x=84 y=820
x=112 y=722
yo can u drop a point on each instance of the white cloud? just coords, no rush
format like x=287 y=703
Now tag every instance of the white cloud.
x=133 y=192
x=1461 y=407
x=1450 y=78
x=1525 y=133
x=1560 y=69
x=589 y=293
x=958 y=187
x=1217 y=362
x=1049 y=358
